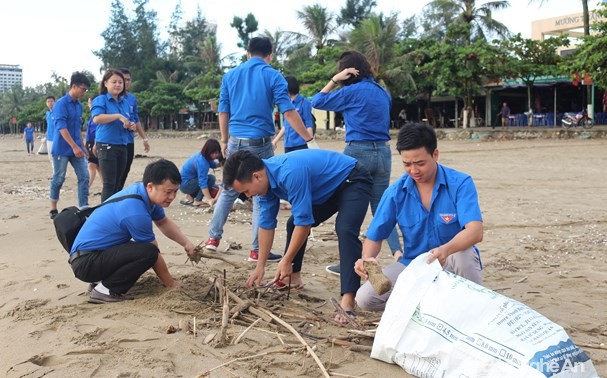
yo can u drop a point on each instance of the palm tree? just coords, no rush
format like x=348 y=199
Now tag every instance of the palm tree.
x=585 y=11
x=319 y=23
x=479 y=17
x=282 y=42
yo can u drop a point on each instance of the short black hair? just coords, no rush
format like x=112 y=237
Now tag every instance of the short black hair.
x=125 y=70
x=159 y=171
x=354 y=59
x=292 y=85
x=260 y=46
x=78 y=78
x=416 y=135
x=48 y=97
x=240 y=166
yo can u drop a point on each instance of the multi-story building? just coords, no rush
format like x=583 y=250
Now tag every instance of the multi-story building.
x=10 y=75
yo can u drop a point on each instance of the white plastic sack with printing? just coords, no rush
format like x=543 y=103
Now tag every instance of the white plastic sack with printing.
x=437 y=324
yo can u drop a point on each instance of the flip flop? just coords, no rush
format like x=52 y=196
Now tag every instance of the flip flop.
x=186 y=203
x=339 y=318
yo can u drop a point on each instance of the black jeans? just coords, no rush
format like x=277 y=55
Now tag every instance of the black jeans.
x=295 y=148
x=112 y=161
x=130 y=154
x=118 y=267
x=350 y=201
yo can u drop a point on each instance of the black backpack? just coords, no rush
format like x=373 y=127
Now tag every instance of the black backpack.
x=71 y=219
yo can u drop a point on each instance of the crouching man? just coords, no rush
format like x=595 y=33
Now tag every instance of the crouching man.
x=117 y=244
x=435 y=207
x=318 y=184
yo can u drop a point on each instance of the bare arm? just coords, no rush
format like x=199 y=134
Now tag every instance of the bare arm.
x=171 y=231
x=146 y=145
x=278 y=137
x=371 y=249
x=266 y=239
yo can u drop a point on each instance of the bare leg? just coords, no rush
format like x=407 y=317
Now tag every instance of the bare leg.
x=92 y=171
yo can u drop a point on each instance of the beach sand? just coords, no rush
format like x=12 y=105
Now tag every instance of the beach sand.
x=544 y=204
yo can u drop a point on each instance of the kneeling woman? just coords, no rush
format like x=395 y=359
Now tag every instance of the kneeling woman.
x=196 y=182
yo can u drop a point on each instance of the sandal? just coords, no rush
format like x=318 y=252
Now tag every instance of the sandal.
x=280 y=285
x=341 y=319
x=186 y=203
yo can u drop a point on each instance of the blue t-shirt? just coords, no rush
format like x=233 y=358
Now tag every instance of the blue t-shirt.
x=249 y=93
x=304 y=108
x=29 y=133
x=197 y=166
x=66 y=115
x=118 y=222
x=134 y=111
x=91 y=130
x=113 y=132
x=366 y=109
x=454 y=204
x=304 y=178
x=50 y=126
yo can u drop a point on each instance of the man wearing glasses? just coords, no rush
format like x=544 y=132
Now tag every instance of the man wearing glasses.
x=67 y=144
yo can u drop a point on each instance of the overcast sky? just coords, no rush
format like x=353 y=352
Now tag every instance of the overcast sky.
x=61 y=35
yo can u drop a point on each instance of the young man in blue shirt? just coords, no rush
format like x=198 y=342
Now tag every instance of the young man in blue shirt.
x=117 y=244
x=437 y=210
x=318 y=184
x=246 y=100
x=67 y=143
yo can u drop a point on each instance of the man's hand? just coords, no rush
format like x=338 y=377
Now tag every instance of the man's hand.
x=285 y=269
x=437 y=254
x=78 y=152
x=224 y=149
x=189 y=249
x=255 y=278
x=146 y=146
x=359 y=266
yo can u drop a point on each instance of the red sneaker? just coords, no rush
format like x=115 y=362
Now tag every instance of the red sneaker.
x=254 y=256
x=211 y=244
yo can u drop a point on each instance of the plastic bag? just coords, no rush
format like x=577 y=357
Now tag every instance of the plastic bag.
x=437 y=324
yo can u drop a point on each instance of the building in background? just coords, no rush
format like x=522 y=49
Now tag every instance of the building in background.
x=10 y=75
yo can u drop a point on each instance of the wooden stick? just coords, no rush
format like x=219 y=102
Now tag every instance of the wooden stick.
x=370 y=334
x=252 y=309
x=206 y=373
x=245 y=331
x=301 y=340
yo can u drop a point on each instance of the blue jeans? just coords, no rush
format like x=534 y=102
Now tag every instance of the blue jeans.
x=377 y=158
x=228 y=196
x=192 y=189
x=82 y=173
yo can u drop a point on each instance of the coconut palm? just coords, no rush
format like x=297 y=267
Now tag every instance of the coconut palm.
x=478 y=16
x=319 y=23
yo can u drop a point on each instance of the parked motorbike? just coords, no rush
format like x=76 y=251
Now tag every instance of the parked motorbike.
x=577 y=119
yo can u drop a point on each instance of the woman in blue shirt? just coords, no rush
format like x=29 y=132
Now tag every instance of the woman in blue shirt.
x=365 y=106
x=196 y=182
x=111 y=114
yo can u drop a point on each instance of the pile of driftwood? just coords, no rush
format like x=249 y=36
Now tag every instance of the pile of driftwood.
x=269 y=309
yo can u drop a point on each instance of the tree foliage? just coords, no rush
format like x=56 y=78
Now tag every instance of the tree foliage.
x=355 y=11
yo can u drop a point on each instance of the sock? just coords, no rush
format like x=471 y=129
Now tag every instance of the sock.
x=102 y=289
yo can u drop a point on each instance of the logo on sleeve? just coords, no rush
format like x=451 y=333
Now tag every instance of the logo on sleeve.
x=447 y=218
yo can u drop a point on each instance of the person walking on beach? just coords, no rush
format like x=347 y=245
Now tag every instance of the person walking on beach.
x=29 y=135
x=248 y=95
x=67 y=144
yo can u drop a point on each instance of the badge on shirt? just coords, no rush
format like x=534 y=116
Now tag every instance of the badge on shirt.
x=447 y=217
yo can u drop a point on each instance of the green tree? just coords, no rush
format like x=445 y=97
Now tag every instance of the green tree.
x=319 y=23
x=531 y=58
x=477 y=17
x=355 y=11
x=119 y=40
x=245 y=29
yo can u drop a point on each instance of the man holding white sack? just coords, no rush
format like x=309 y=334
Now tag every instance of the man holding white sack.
x=436 y=209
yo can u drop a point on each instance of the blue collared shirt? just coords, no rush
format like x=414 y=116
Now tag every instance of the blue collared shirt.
x=304 y=108
x=304 y=178
x=50 y=126
x=249 y=93
x=366 y=109
x=131 y=100
x=454 y=204
x=113 y=132
x=66 y=115
x=29 y=133
x=197 y=167
x=118 y=222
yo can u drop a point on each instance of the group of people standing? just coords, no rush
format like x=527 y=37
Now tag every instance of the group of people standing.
x=109 y=139
x=435 y=208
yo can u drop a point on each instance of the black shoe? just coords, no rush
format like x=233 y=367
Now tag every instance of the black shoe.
x=334 y=269
x=53 y=213
x=100 y=298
